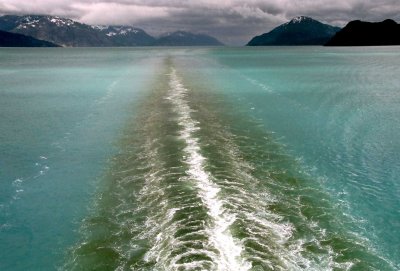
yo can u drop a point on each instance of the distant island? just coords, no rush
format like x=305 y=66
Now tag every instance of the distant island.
x=8 y=39
x=69 y=33
x=358 y=33
x=183 y=38
x=300 y=30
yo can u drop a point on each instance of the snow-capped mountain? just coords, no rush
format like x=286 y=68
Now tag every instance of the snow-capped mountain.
x=67 y=32
x=116 y=30
x=58 y=30
x=299 y=19
x=300 y=30
x=122 y=35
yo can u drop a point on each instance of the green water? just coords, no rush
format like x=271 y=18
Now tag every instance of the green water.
x=218 y=159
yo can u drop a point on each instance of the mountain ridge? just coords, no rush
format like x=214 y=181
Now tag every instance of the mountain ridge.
x=300 y=30
x=69 y=33
x=361 y=33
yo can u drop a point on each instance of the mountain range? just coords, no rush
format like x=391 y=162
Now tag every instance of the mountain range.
x=358 y=33
x=300 y=30
x=50 y=31
x=69 y=33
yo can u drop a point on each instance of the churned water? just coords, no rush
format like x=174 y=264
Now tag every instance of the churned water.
x=200 y=159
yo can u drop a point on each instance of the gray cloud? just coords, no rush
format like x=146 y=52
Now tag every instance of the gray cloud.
x=232 y=21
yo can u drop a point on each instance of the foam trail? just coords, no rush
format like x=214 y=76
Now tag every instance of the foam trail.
x=229 y=250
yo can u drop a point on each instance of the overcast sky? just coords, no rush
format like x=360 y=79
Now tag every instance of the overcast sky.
x=232 y=21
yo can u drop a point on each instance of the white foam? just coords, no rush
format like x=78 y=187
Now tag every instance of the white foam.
x=229 y=250
x=17 y=181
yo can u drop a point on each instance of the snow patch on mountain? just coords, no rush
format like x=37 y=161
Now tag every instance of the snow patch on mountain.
x=116 y=30
x=298 y=19
x=60 y=21
x=100 y=27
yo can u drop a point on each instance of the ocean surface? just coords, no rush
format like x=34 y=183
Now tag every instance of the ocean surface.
x=228 y=159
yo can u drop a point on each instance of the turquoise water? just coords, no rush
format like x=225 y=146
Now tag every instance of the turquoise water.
x=200 y=159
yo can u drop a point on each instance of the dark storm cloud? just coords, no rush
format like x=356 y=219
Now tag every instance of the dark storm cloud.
x=232 y=21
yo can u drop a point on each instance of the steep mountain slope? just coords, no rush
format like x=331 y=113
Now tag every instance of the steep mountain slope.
x=299 y=31
x=8 y=39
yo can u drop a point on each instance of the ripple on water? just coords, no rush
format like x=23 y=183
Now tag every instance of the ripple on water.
x=198 y=187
